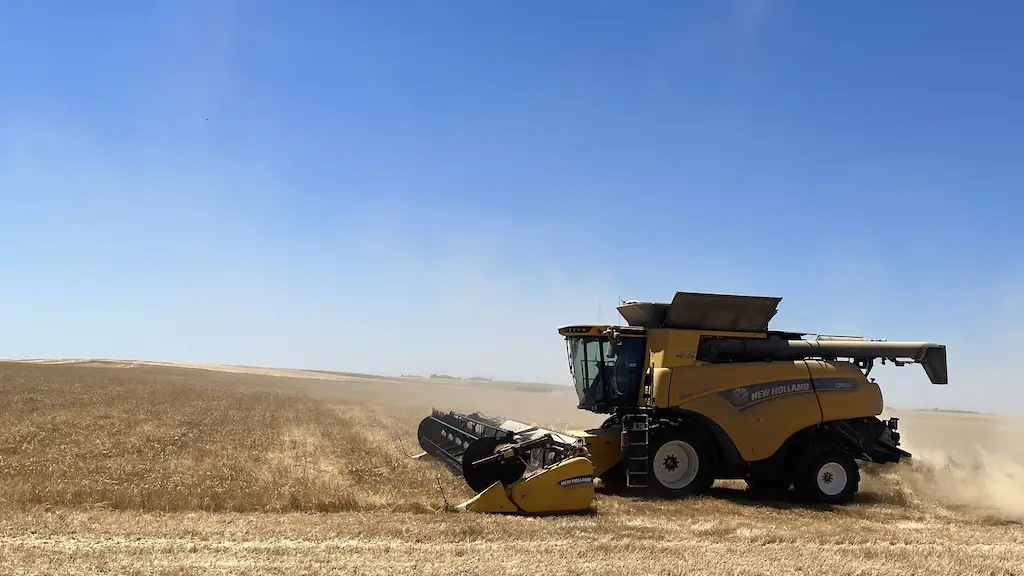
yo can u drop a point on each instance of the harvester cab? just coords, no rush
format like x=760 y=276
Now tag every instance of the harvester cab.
x=696 y=390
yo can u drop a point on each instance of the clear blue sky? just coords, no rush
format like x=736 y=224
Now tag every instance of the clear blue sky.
x=435 y=186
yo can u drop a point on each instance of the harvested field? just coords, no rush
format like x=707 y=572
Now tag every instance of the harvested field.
x=118 y=467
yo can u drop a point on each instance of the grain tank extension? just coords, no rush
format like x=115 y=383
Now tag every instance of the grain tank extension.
x=696 y=390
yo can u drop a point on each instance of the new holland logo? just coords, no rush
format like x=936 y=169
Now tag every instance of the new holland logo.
x=780 y=390
x=748 y=396
x=741 y=395
x=576 y=480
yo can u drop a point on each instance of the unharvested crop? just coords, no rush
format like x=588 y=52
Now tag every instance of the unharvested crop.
x=85 y=440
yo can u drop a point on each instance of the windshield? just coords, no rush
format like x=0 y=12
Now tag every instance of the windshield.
x=605 y=381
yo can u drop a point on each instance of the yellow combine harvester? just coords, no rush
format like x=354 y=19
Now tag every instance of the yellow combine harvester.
x=696 y=390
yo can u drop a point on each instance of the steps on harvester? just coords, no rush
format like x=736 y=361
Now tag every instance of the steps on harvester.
x=637 y=427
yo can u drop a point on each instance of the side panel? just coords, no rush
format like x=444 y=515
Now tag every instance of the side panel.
x=678 y=348
x=843 y=391
x=662 y=386
x=670 y=349
x=758 y=405
x=675 y=349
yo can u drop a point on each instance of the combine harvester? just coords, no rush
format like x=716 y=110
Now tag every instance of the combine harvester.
x=696 y=390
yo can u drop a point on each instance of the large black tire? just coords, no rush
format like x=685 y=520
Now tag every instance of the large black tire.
x=830 y=476
x=681 y=463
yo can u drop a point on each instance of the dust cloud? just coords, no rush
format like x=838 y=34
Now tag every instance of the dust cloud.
x=985 y=481
x=959 y=461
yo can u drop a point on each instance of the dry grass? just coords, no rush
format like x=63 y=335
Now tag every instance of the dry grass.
x=92 y=438
x=156 y=470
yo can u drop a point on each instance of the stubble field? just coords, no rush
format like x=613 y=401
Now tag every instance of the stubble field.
x=127 y=468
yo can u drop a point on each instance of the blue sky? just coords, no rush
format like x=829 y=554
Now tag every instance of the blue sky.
x=435 y=186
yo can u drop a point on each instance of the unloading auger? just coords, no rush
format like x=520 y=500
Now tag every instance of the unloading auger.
x=696 y=390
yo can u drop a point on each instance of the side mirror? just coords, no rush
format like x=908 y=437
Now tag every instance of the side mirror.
x=612 y=345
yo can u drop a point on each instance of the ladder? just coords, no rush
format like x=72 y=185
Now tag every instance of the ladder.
x=636 y=435
x=635 y=428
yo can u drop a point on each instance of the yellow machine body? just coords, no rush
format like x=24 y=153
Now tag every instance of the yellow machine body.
x=760 y=405
x=701 y=379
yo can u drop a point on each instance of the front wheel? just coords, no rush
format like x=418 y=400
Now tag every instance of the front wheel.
x=831 y=477
x=681 y=465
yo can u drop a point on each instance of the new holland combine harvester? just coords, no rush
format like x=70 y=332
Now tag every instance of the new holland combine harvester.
x=696 y=390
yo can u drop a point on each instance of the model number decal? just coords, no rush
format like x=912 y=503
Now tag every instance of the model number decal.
x=576 y=480
x=834 y=384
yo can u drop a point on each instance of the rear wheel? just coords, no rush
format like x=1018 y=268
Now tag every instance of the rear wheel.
x=680 y=464
x=831 y=476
